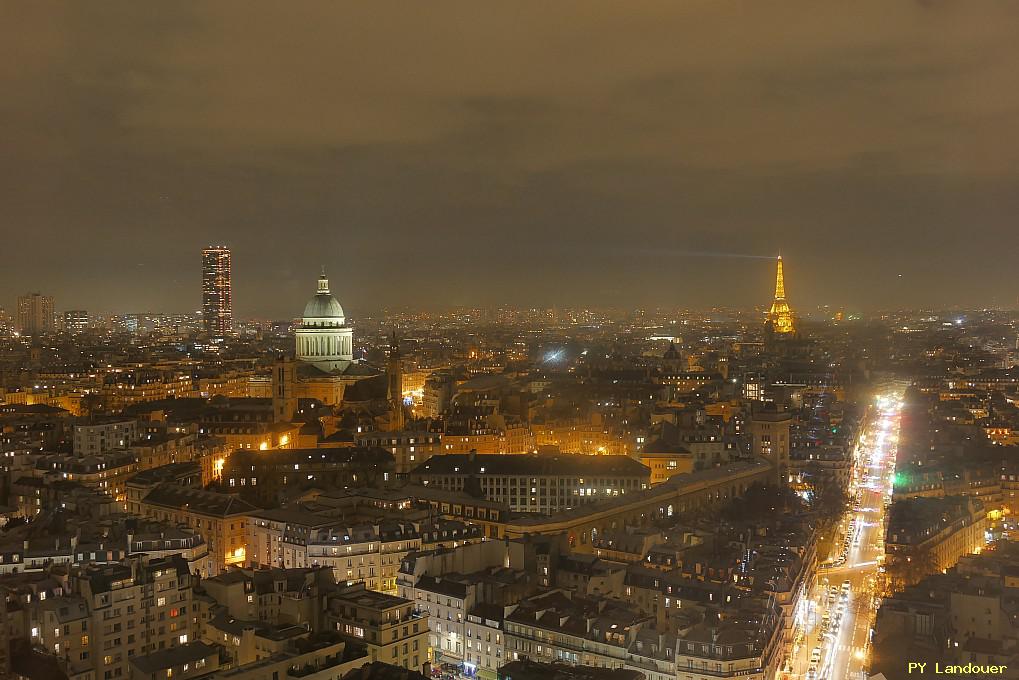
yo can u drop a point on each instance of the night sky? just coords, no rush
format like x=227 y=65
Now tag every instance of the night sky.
x=525 y=153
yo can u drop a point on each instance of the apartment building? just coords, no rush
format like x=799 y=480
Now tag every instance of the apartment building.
x=927 y=535
x=266 y=530
x=96 y=438
x=485 y=650
x=410 y=448
x=370 y=553
x=536 y=483
x=536 y=670
x=220 y=518
x=260 y=476
x=112 y=613
x=156 y=449
x=558 y=626
x=465 y=608
x=394 y=632
x=158 y=540
x=104 y=472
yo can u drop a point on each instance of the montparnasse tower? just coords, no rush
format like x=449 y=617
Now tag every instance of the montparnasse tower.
x=780 y=318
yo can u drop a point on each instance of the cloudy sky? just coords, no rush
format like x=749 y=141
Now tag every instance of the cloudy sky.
x=528 y=153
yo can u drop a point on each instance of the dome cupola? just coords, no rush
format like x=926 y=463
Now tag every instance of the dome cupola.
x=324 y=339
x=323 y=310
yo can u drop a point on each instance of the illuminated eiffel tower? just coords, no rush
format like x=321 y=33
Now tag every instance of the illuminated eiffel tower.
x=780 y=318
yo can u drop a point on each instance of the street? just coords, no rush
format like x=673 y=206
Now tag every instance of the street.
x=836 y=622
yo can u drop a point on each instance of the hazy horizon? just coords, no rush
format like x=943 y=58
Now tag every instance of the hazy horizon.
x=575 y=154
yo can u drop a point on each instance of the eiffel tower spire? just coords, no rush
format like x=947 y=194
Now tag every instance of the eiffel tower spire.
x=779 y=281
x=780 y=318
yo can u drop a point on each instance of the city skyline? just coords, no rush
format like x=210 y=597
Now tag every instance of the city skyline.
x=216 y=283
x=581 y=340
x=611 y=156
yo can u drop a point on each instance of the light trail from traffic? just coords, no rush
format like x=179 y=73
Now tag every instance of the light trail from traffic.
x=838 y=646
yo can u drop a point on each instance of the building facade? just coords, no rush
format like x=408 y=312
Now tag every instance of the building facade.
x=324 y=339
x=536 y=483
x=35 y=314
x=217 y=293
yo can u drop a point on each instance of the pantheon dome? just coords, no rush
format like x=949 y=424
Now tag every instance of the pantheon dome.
x=324 y=340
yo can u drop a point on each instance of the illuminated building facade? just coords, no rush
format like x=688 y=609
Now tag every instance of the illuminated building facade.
x=217 y=296
x=543 y=484
x=76 y=321
x=410 y=448
x=928 y=535
x=780 y=318
x=35 y=314
x=109 y=614
x=666 y=464
x=324 y=339
x=221 y=518
x=391 y=627
x=325 y=364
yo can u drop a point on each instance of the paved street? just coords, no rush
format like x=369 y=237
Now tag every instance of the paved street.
x=837 y=626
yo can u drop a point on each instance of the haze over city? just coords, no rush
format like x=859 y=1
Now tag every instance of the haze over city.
x=509 y=341
x=576 y=154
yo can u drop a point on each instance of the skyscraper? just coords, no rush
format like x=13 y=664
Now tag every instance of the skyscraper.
x=217 y=299
x=780 y=318
x=35 y=314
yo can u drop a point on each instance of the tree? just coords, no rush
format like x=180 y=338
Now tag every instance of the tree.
x=830 y=497
x=913 y=568
x=91 y=405
x=762 y=501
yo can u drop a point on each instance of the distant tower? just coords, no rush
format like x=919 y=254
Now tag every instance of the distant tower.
x=284 y=377
x=217 y=296
x=395 y=374
x=672 y=359
x=780 y=318
x=35 y=314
